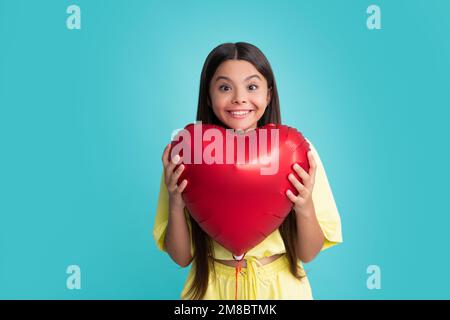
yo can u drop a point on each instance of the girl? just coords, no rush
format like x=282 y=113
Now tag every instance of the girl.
x=238 y=91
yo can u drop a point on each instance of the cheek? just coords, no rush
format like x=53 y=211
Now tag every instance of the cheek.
x=260 y=101
x=220 y=102
x=261 y=111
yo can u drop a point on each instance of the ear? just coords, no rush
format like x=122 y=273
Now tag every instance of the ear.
x=269 y=95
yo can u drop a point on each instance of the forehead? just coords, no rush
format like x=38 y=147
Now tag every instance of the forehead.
x=237 y=70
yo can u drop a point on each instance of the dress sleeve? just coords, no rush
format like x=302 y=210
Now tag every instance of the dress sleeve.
x=162 y=217
x=325 y=206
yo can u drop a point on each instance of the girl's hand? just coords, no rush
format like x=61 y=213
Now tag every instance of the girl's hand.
x=303 y=203
x=171 y=178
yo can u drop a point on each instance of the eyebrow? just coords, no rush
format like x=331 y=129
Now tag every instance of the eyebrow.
x=226 y=78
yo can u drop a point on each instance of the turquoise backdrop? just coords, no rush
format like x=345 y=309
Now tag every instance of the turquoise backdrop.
x=85 y=115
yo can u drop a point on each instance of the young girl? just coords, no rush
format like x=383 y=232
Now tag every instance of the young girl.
x=238 y=91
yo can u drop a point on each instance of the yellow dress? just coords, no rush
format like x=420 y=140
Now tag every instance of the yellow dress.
x=269 y=281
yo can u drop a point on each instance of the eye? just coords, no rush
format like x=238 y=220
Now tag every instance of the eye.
x=224 y=88
x=253 y=87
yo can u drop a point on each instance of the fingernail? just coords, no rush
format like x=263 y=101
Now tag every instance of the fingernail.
x=296 y=166
x=176 y=159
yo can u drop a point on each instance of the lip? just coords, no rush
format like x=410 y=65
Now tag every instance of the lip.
x=239 y=117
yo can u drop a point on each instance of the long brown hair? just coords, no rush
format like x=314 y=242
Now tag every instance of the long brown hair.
x=202 y=242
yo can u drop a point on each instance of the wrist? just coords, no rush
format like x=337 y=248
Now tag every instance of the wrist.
x=176 y=205
x=306 y=211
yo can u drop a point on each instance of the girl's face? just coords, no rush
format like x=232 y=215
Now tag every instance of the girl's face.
x=238 y=94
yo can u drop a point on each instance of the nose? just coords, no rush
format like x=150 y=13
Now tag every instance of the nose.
x=239 y=97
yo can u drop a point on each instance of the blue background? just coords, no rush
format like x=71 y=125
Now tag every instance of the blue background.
x=85 y=115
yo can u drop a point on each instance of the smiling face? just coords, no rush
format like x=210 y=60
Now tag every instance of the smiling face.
x=238 y=94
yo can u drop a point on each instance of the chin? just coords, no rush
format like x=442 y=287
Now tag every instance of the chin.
x=238 y=124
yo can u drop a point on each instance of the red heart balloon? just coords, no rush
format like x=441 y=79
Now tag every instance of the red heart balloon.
x=237 y=181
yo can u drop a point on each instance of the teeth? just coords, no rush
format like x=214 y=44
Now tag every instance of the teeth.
x=239 y=113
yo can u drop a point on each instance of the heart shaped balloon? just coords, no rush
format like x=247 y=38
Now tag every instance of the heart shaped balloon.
x=237 y=180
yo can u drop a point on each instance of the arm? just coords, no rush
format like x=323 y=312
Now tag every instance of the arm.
x=310 y=237
x=177 y=241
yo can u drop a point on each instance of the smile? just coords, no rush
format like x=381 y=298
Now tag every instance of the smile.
x=240 y=114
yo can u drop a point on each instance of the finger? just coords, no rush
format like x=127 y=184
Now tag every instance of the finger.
x=165 y=156
x=312 y=166
x=300 y=188
x=182 y=186
x=303 y=175
x=291 y=196
x=176 y=175
x=173 y=163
